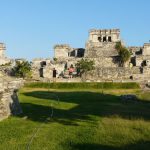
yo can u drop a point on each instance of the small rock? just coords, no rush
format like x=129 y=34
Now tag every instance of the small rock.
x=128 y=97
x=25 y=117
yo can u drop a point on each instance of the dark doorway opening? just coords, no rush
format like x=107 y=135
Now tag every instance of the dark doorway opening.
x=99 y=39
x=104 y=39
x=144 y=63
x=80 y=52
x=72 y=53
x=131 y=77
x=109 y=39
x=43 y=63
x=41 y=72
x=133 y=61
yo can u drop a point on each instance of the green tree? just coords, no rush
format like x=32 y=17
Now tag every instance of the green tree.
x=85 y=65
x=22 y=69
x=55 y=59
x=123 y=53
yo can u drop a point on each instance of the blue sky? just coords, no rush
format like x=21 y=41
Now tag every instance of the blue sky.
x=30 y=28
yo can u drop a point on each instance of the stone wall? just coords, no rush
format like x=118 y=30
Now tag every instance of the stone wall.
x=146 y=49
x=119 y=73
x=95 y=50
x=106 y=35
x=2 y=50
x=62 y=51
x=135 y=50
x=9 y=103
x=142 y=60
x=3 y=58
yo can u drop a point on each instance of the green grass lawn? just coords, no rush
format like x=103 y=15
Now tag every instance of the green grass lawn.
x=82 y=120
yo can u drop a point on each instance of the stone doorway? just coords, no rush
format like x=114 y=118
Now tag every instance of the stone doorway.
x=109 y=39
x=104 y=39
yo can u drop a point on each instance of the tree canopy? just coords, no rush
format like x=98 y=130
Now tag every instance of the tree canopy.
x=22 y=69
x=123 y=53
x=85 y=65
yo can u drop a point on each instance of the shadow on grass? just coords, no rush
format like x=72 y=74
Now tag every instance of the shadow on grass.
x=140 y=145
x=88 y=103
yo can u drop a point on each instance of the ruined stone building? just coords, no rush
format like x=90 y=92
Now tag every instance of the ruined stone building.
x=9 y=103
x=3 y=58
x=99 y=47
x=65 y=51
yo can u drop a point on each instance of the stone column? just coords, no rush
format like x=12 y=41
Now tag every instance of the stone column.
x=76 y=53
x=107 y=38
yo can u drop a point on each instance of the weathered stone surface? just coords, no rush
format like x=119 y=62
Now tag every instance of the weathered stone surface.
x=104 y=49
x=105 y=35
x=9 y=103
x=62 y=51
x=3 y=58
x=146 y=49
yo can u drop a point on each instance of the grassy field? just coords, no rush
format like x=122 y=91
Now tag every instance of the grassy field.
x=82 y=120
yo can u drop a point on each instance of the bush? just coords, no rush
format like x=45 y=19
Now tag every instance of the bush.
x=105 y=85
x=123 y=53
x=22 y=69
x=85 y=65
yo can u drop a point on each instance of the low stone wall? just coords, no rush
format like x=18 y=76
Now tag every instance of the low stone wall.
x=119 y=73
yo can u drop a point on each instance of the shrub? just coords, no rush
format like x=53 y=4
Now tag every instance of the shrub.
x=123 y=53
x=22 y=69
x=85 y=65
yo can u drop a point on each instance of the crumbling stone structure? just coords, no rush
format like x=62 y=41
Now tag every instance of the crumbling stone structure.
x=9 y=103
x=3 y=58
x=65 y=51
x=101 y=43
x=100 y=47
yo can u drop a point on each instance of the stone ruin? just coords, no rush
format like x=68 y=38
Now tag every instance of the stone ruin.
x=3 y=58
x=9 y=103
x=99 y=47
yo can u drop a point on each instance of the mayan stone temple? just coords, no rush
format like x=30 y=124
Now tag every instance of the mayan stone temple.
x=99 y=47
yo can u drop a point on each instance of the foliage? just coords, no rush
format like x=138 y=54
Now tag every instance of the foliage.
x=85 y=65
x=123 y=53
x=118 y=46
x=87 y=85
x=55 y=59
x=22 y=69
